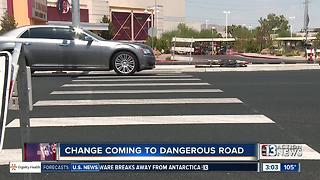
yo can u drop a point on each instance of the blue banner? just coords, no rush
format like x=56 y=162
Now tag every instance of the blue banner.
x=158 y=150
x=55 y=167
x=290 y=167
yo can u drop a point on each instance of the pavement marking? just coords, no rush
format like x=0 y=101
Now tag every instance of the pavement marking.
x=144 y=120
x=139 y=91
x=128 y=80
x=138 y=101
x=136 y=84
x=144 y=76
x=10 y=155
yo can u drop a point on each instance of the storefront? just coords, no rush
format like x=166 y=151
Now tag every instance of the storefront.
x=56 y=12
x=61 y=11
x=28 y=12
x=130 y=24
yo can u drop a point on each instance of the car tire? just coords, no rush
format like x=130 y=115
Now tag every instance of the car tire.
x=125 y=63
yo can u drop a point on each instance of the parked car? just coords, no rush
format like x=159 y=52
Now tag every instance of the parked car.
x=50 y=47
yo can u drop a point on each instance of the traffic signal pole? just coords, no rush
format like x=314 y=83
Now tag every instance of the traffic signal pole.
x=75 y=13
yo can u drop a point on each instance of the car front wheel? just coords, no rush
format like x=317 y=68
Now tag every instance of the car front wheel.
x=125 y=63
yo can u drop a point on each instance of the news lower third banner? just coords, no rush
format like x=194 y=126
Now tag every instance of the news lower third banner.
x=50 y=167
x=158 y=152
x=140 y=152
x=96 y=167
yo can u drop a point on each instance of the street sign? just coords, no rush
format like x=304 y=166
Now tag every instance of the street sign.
x=5 y=80
x=186 y=40
x=182 y=49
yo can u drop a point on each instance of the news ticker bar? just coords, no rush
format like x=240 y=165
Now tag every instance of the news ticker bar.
x=162 y=152
x=41 y=167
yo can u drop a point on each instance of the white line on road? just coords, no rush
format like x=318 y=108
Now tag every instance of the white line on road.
x=139 y=91
x=136 y=84
x=144 y=120
x=124 y=77
x=138 y=101
x=128 y=80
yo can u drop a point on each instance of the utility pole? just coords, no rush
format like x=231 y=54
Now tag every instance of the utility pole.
x=291 y=24
x=207 y=21
x=75 y=13
x=226 y=12
x=306 y=18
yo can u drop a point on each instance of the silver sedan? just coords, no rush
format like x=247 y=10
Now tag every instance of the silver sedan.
x=49 y=47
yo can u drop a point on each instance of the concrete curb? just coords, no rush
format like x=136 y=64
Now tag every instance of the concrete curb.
x=250 y=68
x=257 y=57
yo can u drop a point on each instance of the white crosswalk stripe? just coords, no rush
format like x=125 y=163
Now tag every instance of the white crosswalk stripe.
x=144 y=120
x=166 y=91
x=138 y=101
x=136 y=84
x=134 y=77
x=130 y=80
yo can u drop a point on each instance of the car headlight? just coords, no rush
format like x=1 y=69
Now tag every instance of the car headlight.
x=146 y=51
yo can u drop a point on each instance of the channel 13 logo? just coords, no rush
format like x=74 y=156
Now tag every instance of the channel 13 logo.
x=281 y=150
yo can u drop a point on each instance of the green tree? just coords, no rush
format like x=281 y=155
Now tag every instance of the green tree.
x=245 y=41
x=182 y=30
x=271 y=24
x=7 y=23
x=106 y=34
x=316 y=43
x=206 y=33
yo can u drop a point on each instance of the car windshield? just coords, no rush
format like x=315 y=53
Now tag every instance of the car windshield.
x=94 y=35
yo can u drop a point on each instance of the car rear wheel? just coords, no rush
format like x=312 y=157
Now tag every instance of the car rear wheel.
x=125 y=63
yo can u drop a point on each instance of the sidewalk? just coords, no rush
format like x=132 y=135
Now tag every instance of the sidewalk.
x=252 y=58
x=250 y=68
x=255 y=55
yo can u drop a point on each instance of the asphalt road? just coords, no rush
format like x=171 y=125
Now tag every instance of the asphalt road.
x=291 y=99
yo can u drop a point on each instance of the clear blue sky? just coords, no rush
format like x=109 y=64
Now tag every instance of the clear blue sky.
x=249 y=11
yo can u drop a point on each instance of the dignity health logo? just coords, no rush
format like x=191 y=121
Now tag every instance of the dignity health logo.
x=13 y=167
x=25 y=167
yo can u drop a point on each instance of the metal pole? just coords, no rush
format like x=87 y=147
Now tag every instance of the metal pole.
x=152 y=30
x=174 y=47
x=75 y=13
x=306 y=22
x=191 y=45
x=291 y=24
x=226 y=25
x=22 y=84
x=132 y=27
x=212 y=40
x=226 y=12
x=156 y=16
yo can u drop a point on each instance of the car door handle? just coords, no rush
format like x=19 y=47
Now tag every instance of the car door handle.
x=64 y=44
x=27 y=44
